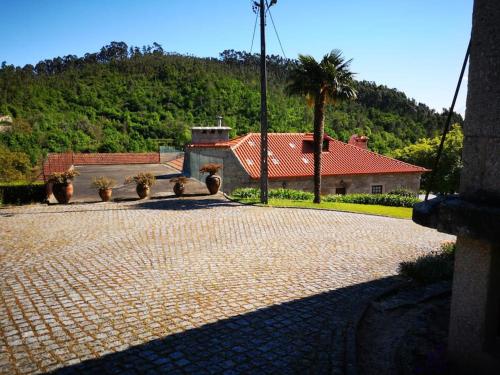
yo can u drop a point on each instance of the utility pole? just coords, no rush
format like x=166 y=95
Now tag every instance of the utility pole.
x=264 y=172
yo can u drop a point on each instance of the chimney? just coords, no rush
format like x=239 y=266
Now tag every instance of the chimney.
x=219 y=121
x=210 y=134
x=360 y=141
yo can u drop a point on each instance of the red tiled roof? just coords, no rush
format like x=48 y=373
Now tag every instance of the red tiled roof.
x=225 y=144
x=176 y=163
x=290 y=155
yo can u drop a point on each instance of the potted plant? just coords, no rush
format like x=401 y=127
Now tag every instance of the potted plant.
x=62 y=185
x=105 y=187
x=213 y=180
x=179 y=185
x=144 y=181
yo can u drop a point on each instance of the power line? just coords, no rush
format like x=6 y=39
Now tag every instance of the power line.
x=254 y=27
x=276 y=31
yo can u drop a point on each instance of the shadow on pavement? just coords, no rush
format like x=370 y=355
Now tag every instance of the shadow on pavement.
x=167 y=202
x=304 y=336
x=183 y=204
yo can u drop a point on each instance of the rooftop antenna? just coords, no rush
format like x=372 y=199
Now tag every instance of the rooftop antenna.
x=264 y=172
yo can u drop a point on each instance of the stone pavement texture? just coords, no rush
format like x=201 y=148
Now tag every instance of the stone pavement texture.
x=190 y=286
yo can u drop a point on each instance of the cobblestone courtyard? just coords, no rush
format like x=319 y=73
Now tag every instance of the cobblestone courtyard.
x=189 y=286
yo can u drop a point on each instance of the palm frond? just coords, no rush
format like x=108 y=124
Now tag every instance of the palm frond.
x=331 y=75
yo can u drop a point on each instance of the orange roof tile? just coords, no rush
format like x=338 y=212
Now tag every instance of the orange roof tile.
x=177 y=163
x=290 y=155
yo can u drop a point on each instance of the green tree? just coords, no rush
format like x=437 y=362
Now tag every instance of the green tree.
x=14 y=165
x=423 y=153
x=326 y=82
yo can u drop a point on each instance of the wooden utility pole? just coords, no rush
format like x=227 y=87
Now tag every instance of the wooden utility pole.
x=263 y=107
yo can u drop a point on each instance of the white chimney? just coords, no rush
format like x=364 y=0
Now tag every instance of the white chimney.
x=210 y=134
x=219 y=121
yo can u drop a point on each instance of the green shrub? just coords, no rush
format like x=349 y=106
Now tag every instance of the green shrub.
x=298 y=195
x=22 y=193
x=254 y=193
x=246 y=193
x=403 y=192
x=380 y=199
x=433 y=267
x=13 y=165
x=294 y=195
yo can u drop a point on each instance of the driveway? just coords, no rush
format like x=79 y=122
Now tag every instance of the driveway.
x=83 y=192
x=190 y=286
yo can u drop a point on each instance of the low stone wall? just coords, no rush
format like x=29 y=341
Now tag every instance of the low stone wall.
x=233 y=174
x=63 y=161
x=116 y=158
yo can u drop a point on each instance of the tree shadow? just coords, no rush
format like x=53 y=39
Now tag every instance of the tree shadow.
x=167 y=202
x=304 y=336
x=182 y=204
x=167 y=176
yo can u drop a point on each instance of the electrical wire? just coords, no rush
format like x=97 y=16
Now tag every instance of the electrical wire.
x=275 y=30
x=447 y=126
x=254 y=27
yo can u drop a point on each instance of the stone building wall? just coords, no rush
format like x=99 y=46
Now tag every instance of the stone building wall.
x=235 y=176
x=352 y=183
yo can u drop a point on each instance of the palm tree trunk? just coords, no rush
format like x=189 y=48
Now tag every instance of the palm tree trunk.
x=319 y=130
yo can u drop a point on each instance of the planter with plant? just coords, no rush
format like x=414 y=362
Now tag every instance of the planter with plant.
x=213 y=180
x=143 y=181
x=105 y=187
x=179 y=185
x=62 y=185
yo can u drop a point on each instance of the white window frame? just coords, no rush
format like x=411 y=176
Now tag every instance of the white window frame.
x=381 y=185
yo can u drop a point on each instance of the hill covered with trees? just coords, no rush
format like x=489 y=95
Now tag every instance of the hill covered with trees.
x=133 y=99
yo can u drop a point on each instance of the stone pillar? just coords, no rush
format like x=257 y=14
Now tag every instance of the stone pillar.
x=481 y=154
x=474 y=339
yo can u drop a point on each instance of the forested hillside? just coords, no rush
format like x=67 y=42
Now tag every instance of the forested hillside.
x=132 y=99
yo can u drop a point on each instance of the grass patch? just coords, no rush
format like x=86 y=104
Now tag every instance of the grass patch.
x=371 y=209
x=431 y=268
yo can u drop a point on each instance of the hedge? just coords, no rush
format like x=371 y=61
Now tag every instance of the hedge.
x=379 y=199
x=22 y=193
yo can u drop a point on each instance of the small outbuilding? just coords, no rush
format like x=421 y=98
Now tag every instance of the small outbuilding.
x=346 y=167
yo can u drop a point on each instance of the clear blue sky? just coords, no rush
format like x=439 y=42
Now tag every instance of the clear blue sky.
x=416 y=46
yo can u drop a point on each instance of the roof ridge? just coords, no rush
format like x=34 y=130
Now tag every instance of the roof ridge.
x=380 y=155
x=272 y=133
x=239 y=140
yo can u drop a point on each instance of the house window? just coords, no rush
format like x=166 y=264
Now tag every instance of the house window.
x=325 y=146
x=376 y=189
x=340 y=190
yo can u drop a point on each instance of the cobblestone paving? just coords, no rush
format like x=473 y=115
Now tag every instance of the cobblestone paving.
x=189 y=286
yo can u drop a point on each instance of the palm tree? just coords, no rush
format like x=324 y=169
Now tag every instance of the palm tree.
x=326 y=82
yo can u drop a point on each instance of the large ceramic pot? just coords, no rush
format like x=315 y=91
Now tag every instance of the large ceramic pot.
x=63 y=192
x=105 y=194
x=213 y=183
x=179 y=188
x=48 y=190
x=142 y=190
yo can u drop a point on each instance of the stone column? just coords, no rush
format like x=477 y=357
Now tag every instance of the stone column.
x=475 y=310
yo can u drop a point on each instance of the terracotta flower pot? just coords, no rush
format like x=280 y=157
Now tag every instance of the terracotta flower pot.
x=213 y=182
x=63 y=192
x=48 y=189
x=179 y=189
x=105 y=194
x=142 y=191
